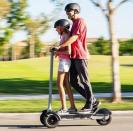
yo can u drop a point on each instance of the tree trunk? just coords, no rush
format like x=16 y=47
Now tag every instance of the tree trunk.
x=115 y=61
x=31 y=48
x=14 y=57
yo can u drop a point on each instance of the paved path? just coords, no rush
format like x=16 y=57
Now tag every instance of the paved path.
x=122 y=121
x=56 y=96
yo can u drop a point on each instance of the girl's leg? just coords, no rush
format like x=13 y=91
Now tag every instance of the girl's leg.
x=60 y=81
x=69 y=90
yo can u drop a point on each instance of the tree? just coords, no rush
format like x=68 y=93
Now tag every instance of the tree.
x=4 y=8
x=35 y=28
x=108 y=9
x=16 y=18
x=4 y=48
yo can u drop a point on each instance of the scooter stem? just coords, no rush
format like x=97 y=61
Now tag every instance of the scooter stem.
x=51 y=80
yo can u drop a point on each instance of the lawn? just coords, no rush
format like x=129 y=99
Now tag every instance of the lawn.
x=31 y=76
x=39 y=105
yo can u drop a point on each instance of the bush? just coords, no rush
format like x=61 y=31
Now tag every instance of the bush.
x=100 y=47
x=126 y=47
x=103 y=47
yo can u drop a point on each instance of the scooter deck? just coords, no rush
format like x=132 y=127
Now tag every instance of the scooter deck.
x=74 y=115
x=79 y=115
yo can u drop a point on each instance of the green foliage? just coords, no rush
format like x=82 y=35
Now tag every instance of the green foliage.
x=17 y=16
x=37 y=26
x=1 y=51
x=101 y=46
x=5 y=39
x=6 y=36
x=126 y=47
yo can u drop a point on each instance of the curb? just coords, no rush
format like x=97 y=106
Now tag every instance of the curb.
x=123 y=113
x=56 y=96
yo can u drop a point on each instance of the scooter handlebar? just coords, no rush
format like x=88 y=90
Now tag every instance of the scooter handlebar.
x=53 y=49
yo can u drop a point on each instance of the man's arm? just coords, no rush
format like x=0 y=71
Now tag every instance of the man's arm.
x=69 y=41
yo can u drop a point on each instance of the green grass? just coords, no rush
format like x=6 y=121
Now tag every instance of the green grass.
x=31 y=76
x=21 y=106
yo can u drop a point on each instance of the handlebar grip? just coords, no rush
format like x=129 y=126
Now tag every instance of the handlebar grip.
x=53 y=49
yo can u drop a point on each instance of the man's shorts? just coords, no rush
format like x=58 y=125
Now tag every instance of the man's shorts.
x=64 y=65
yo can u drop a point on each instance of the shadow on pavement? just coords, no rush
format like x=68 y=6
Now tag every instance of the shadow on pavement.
x=23 y=126
x=39 y=126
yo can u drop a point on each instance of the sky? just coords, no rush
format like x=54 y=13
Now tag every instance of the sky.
x=96 y=22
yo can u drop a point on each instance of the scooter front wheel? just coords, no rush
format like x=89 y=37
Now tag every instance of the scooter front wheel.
x=52 y=120
x=42 y=117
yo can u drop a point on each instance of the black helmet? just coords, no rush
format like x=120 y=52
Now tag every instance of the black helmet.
x=63 y=23
x=72 y=6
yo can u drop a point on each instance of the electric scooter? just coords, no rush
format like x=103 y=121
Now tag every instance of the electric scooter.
x=51 y=119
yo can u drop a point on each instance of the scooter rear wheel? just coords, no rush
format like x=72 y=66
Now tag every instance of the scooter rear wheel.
x=105 y=112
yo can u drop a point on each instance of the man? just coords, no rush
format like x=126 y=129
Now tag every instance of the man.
x=79 y=57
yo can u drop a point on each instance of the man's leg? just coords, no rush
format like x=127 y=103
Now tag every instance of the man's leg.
x=81 y=83
x=82 y=69
x=74 y=81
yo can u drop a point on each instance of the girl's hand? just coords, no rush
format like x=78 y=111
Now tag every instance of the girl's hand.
x=57 y=47
x=57 y=53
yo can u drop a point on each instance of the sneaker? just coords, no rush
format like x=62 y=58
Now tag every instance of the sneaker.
x=72 y=110
x=96 y=104
x=62 y=111
x=87 y=108
x=85 y=111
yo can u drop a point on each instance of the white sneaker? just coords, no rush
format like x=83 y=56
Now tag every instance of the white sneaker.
x=62 y=111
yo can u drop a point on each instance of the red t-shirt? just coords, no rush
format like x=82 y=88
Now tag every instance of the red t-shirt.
x=79 y=47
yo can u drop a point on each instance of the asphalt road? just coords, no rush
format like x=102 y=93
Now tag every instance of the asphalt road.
x=30 y=122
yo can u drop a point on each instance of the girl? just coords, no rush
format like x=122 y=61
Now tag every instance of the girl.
x=62 y=27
